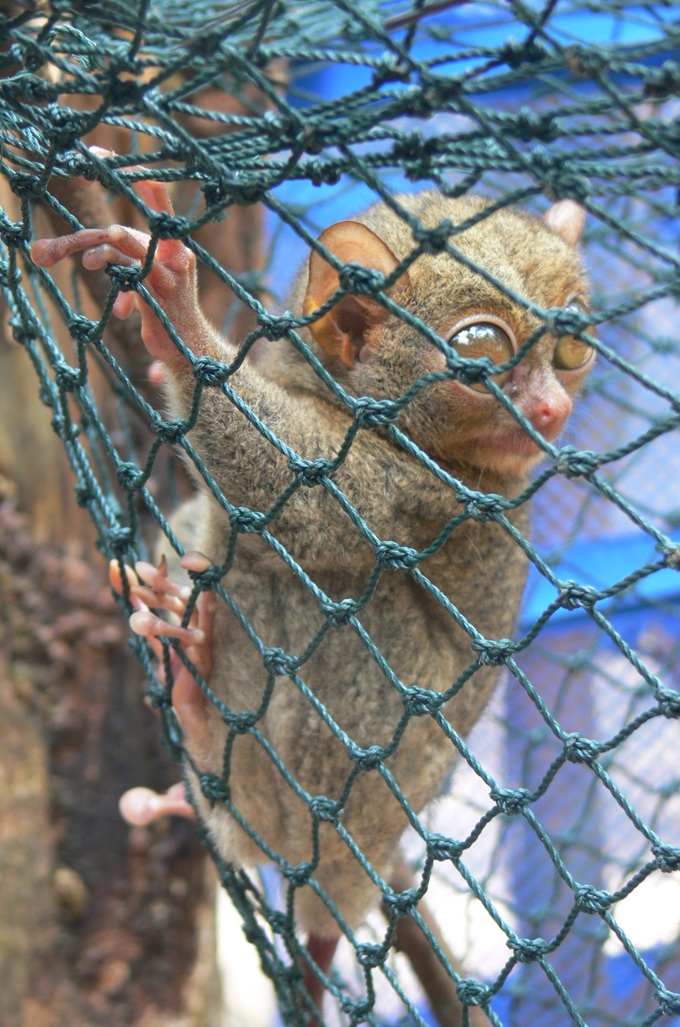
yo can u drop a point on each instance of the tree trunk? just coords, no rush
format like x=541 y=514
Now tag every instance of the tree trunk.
x=101 y=925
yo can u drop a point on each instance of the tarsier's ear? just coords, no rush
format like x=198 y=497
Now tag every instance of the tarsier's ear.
x=341 y=332
x=566 y=218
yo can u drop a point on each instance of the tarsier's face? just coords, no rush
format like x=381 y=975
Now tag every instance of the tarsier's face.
x=541 y=386
x=491 y=296
x=467 y=423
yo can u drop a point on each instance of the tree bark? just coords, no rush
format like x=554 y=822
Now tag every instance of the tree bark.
x=100 y=925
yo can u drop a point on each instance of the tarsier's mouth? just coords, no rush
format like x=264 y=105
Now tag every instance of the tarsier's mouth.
x=507 y=452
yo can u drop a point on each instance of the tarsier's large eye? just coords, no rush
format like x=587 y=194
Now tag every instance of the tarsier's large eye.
x=570 y=353
x=484 y=339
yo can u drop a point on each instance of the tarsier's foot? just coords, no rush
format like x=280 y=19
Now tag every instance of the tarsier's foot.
x=151 y=589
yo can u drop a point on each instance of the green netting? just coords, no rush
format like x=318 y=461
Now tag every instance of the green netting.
x=552 y=858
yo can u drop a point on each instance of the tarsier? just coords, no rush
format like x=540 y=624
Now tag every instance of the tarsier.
x=480 y=569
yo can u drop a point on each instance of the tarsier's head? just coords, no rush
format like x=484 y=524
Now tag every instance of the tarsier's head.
x=372 y=352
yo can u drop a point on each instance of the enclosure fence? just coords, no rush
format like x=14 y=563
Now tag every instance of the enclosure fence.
x=553 y=856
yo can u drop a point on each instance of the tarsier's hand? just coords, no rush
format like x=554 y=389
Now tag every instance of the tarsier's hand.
x=171 y=280
x=150 y=587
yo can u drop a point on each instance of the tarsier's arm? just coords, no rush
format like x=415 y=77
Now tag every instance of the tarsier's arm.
x=246 y=466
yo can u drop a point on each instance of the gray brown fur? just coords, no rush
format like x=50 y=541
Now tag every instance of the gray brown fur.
x=481 y=569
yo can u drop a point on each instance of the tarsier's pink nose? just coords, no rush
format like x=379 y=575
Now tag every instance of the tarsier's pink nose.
x=549 y=415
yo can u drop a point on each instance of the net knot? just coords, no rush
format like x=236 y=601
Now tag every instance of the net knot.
x=472 y=992
x=420 y=702
x=374 y=413
x=484 y=507
x=27 y=187
x=118 y=539
x=440 y=848
x=82 y=329
x=209 y=371
x=528 y=950
x=357 y=1009
x=129 y=476
x=669 y=703
x=84 y=494
x=368 y=759
x=433 y=240
x=515 y=53
x=574 y=596
x=667 y=857
x=360 y=280
x=242 y=518
x=123 y=276
x=278 y=662
x=214 y=788
x=585 y=62
x=662 y=81
x=64 y=127
x=323 y=808
x=12 y=233
x=530 y=125
x=671 y=554
x=278 y=921
x=370 y=955
x=299 y=875
x=565 y=182
x=241 y=722
x=170 y=431
x=247 y=193
x=27 y=87
x=168 y=226
x=669 y=1001
x=391 y=69
x=274 y=328
x=28 y=54
x=396 y=557
x=414 y=148
x=125 y=92
x=67 y=378
x=323 y=173
x=574 y=463
x=579 y=749
x=493 y=653
x=439 y=92
x=207 y=578
x=566 y=321
x=592 y=900
x=23 y=332
x=402 y=903
x=215 y=192
x=467 y=370
x=511 y=801
x=309 y=472
x=65 y=428
x=341 y=612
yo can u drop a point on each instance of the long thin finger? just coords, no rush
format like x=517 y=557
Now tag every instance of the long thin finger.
x=116 y=578
x=154 y=194
x=160 y=600
x=141 y=806
x=48 y=252
x=157 y=578
x=147 y=624
x=99 y=256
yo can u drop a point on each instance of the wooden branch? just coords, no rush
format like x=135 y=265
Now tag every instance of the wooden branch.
x=437 y=983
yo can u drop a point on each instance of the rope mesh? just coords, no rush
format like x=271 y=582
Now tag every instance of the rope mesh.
x=553 y=857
